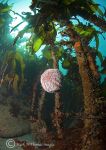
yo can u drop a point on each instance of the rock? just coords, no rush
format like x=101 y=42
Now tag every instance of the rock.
x=12 y=126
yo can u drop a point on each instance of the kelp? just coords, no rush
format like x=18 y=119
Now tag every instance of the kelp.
x=68 y=8
x=43 y=25
x=5 y=17
x=59 y=52
x=88 y=31
x=43 y=33
x=12 y=58
x=38 y=42
x=21 y=33
x=66 y=63
x=96 y=9
x=47 y=53
x=4 y=8
x=1 y=21
x=103 y=71
x=5 y=38
x=12 y=81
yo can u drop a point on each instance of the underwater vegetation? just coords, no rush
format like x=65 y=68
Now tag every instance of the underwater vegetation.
x=66 y=110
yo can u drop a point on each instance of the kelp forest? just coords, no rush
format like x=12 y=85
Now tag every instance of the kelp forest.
x=53 y=80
